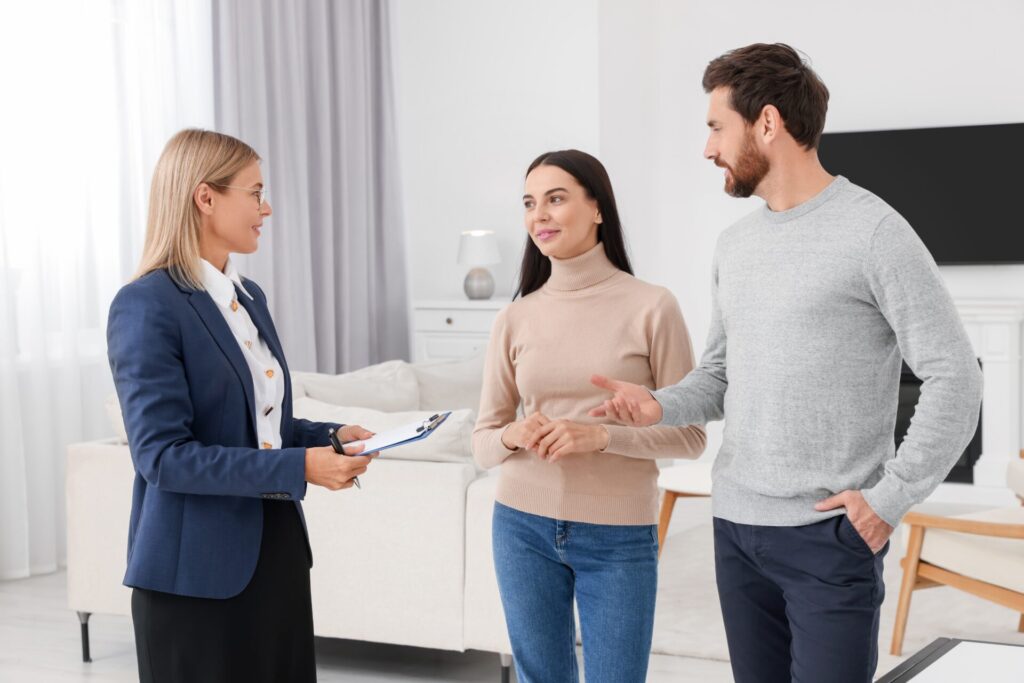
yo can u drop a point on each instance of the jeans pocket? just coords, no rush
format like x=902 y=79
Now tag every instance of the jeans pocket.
x=851 y=538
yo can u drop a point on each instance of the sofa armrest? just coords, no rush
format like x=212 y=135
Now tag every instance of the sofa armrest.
x=98 y=494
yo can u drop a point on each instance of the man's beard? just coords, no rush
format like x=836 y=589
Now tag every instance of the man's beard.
x=751 y=168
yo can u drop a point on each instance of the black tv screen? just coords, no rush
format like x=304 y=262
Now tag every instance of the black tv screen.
x=960 y=188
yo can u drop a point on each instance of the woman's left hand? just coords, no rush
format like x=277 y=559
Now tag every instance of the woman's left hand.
x=354 y=433
x=560 y=438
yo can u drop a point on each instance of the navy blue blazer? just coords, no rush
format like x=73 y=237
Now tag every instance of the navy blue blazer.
x=187 y=398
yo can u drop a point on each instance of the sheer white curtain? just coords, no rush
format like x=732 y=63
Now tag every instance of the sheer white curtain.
x=92 y=89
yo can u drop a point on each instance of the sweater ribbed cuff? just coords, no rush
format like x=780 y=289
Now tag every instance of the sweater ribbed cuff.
x=671 y=409
x=888 y=499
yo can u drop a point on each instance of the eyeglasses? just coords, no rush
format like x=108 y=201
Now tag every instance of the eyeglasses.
x=260 y=194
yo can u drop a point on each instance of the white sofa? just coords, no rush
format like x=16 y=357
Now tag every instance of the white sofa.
x=417 y=536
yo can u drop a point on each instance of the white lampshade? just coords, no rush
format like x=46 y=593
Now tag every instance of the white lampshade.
x=478 y=248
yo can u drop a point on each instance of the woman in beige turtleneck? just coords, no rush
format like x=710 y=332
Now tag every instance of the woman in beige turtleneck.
x=577 y=501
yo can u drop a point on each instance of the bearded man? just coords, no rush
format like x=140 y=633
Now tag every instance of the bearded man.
x=817 y=296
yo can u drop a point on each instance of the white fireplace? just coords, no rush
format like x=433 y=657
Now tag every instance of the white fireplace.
x=994 y=326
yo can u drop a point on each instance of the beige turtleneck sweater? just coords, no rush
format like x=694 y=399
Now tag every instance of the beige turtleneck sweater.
x=590 y=317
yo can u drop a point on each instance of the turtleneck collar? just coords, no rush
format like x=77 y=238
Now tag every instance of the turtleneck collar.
x=580 y=272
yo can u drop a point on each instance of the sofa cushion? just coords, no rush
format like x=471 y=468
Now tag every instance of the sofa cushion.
x=446 y=385
x=388 y=560
x=449 y=443
x=998 y=561
x=389 y=387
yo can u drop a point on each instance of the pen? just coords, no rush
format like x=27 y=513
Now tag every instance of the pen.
x=336 y=443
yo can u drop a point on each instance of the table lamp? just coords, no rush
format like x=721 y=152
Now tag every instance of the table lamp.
x=478 y=248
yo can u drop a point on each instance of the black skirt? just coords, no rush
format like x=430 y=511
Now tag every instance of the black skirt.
x=265 y=633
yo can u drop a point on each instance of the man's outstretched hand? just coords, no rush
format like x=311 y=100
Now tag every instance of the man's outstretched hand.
x=631 y=405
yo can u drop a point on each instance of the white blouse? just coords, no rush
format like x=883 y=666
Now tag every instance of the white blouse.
x=267 y=376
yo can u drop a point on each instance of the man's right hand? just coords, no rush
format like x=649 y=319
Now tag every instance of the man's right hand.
x=517 y=433
x=631 y=405
x=326 y=468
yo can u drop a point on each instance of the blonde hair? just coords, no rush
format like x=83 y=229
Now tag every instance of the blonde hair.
x=190 y=158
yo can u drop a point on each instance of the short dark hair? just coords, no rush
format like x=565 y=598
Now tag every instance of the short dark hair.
x=591 y=174
x=762 y=74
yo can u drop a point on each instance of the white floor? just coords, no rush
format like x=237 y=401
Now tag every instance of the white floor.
x=39 y=643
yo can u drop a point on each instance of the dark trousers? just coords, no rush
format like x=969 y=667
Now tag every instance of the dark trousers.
x=800 y=603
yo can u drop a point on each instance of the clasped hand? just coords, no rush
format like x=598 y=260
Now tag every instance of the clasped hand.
x=326 y=468
x=554 y=439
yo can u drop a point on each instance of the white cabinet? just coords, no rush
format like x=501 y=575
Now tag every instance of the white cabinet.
x=452 y=329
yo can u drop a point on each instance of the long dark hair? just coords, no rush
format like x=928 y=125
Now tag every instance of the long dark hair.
x=591 y=174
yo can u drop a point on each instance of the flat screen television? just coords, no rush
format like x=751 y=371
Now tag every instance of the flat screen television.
x=910 y=393
x=960 y=188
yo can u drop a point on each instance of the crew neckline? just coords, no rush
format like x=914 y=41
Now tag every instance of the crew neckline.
x=831 y=190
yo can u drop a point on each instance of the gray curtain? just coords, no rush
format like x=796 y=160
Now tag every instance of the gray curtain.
x=308 y=84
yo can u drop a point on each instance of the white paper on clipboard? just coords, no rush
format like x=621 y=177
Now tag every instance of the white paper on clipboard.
x=399 y=436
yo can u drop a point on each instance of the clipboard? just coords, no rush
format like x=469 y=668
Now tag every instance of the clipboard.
x=400 y=436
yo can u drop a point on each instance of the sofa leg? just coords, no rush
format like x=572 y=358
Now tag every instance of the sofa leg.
x=506 y=668
x=83 y=617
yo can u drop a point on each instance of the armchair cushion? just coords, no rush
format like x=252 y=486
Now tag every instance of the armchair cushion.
x=1015 y=476
x=999 y=561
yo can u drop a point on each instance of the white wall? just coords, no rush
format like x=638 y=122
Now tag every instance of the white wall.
x=482 y=89
x=484 y=86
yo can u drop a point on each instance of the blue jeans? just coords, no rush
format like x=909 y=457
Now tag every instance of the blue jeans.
x=611 y=570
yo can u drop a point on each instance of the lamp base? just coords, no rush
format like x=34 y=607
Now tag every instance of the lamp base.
x=479 y=284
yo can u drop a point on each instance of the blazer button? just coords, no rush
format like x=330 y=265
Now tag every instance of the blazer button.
x=266 y=444
x=270 y=373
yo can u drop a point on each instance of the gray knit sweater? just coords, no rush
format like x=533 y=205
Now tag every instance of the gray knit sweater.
x=813 y=310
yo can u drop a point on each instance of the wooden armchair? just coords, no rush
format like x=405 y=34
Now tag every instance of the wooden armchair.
x=980 y=553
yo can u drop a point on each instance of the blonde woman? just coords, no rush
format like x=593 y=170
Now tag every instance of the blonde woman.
x=218 y=557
